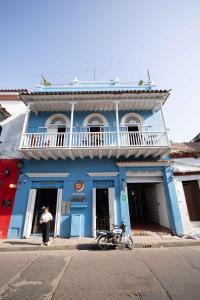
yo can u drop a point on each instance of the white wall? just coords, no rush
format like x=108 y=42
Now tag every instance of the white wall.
x=10 y=137
x=14 y=107
x=162 y=206
x=187 y=225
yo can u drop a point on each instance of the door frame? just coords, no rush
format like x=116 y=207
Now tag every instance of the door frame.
x=111 y=205
x=30 y=212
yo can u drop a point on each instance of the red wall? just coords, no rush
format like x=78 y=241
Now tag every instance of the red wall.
x=7 y=193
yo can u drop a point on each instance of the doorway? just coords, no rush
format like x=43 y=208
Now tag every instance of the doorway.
x=133 y=137
x=95 y=137
x=60 y=136
x=44 y=197
x=143 y=204
x=102 y=210
x=192 y=195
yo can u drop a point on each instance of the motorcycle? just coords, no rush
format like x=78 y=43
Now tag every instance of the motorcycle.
x=117 y=236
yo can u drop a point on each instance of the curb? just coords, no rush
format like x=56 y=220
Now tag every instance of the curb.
x=93 y=246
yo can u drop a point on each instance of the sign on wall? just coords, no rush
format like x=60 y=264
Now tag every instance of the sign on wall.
x=65 y=207
x=79 y=194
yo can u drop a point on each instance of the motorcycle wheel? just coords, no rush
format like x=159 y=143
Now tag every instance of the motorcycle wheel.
x=129 y=243
x=102 y=243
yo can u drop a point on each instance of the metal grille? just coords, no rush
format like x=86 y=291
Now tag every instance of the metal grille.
x=103 y=223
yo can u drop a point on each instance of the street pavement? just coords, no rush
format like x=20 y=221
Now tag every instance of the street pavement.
x=141 y=274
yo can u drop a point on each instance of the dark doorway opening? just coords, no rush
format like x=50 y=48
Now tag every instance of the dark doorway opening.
x=44 y=197
x=192 y=195
x=94 y=129
x=133 y=136
x=143 y=204
x=102 y=209
x=96 y=138
x=60 y=136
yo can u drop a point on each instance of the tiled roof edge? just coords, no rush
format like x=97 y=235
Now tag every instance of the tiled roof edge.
x=95 y=92
x=13 y=90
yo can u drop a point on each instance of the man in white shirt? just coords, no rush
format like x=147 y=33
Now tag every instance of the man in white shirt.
x=45 y=220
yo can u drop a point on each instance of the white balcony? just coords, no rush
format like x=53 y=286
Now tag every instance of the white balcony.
x=94 y=144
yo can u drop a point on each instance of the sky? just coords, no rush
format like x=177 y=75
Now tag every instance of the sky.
x=67 y=38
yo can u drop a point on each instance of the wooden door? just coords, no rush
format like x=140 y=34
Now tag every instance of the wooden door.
x=192 y=195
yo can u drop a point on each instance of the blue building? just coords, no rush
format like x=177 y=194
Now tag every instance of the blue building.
x=92 y=152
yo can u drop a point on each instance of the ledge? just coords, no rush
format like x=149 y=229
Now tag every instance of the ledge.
x=79 y=204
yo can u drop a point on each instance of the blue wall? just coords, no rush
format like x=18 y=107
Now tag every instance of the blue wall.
x=78 y=170
x=153 y=120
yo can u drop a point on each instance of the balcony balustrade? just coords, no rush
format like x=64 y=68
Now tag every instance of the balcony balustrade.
x=94 y=140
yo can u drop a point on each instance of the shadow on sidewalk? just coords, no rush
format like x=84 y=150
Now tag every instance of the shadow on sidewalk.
x=21 y=243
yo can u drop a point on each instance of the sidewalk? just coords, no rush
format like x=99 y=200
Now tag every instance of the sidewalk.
x=153 y=240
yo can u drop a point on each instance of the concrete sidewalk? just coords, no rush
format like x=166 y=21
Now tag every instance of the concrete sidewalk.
x=153 y=240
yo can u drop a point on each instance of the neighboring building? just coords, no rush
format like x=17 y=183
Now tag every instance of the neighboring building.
x=186 y=168
x=9 y=99
x=92 y=152
x=4 y=114
x=196 y=138
x=10 y=134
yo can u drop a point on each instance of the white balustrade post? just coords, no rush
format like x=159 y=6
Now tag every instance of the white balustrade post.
x=164 y=124
x=71 y=124
x=117 y=121
x=25 y=125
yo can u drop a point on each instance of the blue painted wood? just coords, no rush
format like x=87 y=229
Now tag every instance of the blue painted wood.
x=75 y=225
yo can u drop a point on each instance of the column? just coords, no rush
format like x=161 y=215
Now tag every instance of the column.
x=124 y=205
x=24 y=129
x=71 y=124
x=172 y=202
x=117 y=121
x=164 y=123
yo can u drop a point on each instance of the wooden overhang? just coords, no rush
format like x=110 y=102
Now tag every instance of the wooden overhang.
x=95 y=100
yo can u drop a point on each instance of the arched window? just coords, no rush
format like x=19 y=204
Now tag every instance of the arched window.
x=57 y=124
x=132 y=122
x=132 y=119
x=57 y=121
x=95 y=122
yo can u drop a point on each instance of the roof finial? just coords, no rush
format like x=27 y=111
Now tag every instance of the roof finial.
x=44 y=81
x=149 y=78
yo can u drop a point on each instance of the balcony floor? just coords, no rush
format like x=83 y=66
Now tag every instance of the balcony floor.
x=81 y=153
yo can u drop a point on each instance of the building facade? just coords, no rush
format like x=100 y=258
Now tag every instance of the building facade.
x=11 y=122
x=93 y=152
x=186 y=170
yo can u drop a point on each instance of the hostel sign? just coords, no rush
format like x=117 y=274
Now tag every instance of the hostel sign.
x=79 y=194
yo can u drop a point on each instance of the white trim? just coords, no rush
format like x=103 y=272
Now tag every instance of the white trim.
x=50 y=119
x=137 y=116
x=102 y=174
x=146 y=173
x=58 y=213
x=143 y=163
x=144 y=176
x=47 y=174
x=188 y=177
x=112 y=208
x=85 y=122
x=94 y=212
x=29 y=213
x=144 y=179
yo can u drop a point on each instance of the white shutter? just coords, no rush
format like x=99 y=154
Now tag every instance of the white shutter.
x=29 y=213
x=94 y=212
x=112 y=210
x=58 y=213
